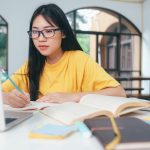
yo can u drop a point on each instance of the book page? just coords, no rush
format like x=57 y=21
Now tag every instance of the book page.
x=33 y=105
x=69 y=112
x=113 y=104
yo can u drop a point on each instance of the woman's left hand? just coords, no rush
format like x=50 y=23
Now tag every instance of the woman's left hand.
x=60 y=97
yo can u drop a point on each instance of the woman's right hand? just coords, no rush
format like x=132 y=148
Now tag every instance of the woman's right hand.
x=16 y=99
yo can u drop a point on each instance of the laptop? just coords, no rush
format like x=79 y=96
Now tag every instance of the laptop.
x=9 y=119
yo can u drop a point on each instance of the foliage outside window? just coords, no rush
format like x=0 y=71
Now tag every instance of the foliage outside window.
x=3 y=44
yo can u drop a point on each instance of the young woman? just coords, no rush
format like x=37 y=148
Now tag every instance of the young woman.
x=57 y=69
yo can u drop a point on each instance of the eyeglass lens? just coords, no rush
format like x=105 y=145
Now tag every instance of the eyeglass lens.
x=46 y=33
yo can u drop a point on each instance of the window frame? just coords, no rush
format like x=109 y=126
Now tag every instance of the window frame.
x=117 y=34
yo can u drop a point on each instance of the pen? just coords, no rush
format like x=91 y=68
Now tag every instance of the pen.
x=85 y=131
x=13 y=83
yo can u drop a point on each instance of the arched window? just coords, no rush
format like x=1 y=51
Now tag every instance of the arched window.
x=110 y=38
x=3 y=43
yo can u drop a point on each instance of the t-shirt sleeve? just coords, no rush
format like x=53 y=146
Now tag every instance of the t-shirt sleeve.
x=96 y=78
x=19 y=77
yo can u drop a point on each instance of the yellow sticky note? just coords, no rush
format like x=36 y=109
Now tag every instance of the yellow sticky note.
x=50 y=131
x=147 y=118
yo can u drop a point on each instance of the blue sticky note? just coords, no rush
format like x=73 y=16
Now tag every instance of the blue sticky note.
x=51 y=131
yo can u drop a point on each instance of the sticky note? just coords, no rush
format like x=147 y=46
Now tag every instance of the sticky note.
x=50 y=131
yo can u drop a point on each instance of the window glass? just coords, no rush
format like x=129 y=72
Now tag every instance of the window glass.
x=3 y=43
x=84 y=40
x=107 y=46
x=111 y=39
x=95 y=20
x=131 y=28
x=70 y=17
x=84 y=18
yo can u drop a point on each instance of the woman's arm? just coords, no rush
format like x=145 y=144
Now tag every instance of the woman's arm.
x=64 y=97
x=112 y=91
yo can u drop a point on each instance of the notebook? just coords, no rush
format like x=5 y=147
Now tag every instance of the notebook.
x=135 y=133
x=9 y=119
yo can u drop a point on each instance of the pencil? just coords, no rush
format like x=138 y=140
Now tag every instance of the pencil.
x=12 y=82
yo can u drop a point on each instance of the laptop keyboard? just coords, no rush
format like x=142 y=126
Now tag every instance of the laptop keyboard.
x=8 y=120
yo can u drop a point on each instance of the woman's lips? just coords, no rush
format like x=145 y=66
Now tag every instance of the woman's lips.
x=43 y=47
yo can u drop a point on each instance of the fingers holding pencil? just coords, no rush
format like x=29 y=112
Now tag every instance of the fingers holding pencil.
x=23 y=95
x=16 y=99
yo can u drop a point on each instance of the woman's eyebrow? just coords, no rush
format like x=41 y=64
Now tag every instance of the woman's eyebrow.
x=46 y=27
x=34 y=27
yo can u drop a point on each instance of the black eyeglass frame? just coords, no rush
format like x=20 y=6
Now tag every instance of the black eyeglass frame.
x=41 y=32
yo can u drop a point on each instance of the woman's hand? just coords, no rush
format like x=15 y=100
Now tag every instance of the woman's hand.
x=16 y=99
x=60 y=97
x=76 y=97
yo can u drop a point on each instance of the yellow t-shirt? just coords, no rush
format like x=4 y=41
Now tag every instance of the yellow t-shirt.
x=76 y=71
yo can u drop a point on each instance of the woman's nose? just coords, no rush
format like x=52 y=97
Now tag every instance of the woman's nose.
x=42 y=37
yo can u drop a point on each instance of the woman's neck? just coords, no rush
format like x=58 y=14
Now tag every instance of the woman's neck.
x=54 y=58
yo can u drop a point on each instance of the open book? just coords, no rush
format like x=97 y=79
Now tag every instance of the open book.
x=92 y=105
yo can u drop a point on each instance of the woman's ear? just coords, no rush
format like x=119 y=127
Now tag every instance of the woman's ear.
x=63 y=36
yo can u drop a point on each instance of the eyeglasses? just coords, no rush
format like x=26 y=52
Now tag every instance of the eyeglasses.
x=47 y=33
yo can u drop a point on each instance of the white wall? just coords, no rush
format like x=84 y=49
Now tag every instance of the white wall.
x=18 y=12
x=146 y=40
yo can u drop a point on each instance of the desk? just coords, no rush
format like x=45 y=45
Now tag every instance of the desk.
x=17 y=138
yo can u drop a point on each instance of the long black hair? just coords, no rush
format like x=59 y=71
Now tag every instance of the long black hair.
x=52 y=14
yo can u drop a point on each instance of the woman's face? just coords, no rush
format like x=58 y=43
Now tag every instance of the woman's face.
x=48 y=46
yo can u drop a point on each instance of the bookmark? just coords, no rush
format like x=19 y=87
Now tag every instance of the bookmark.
x=85 y=131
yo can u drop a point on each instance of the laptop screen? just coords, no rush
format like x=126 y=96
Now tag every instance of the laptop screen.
x=10 y=118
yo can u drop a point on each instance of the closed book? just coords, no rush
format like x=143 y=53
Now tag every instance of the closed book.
x=135 y=133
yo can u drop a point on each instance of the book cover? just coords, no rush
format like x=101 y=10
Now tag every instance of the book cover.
x=135 y=133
